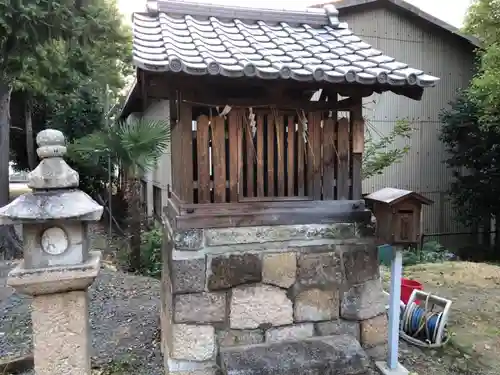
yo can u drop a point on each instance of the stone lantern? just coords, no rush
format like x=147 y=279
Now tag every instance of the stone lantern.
x=58 y=267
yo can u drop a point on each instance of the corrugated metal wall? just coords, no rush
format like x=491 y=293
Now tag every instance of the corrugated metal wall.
x=436 y=52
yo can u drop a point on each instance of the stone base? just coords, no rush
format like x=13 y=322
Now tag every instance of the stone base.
x=237 y=287
x=318 y=356
x=53 y=280
x=399 y=370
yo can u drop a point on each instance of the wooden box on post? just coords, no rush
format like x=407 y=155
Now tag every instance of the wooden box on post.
x=398 y=214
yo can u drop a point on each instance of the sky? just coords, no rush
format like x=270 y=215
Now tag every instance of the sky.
x=450 y=11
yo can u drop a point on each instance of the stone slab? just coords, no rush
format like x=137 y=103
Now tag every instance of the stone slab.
x=335 y=355
x=200 y=308
x=261 y=234
x=232 y=270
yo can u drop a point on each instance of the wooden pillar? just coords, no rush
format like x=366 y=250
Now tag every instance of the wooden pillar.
x=181 y=124
x=358 y=145
x=143 y=85
x=185 y=140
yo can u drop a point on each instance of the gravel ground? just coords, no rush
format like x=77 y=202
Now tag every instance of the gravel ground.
x=124 y=315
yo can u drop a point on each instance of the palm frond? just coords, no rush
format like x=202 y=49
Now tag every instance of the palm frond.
x=143 y=141
x=136 y=144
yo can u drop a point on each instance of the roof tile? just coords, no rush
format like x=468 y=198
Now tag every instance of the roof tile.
x=236 y=42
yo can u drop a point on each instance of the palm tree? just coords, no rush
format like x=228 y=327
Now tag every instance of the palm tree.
x=134 y=146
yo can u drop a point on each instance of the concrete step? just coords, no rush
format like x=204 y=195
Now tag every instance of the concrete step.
x=332 y=355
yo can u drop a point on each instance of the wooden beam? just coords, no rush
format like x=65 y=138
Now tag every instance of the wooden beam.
x=270 y=213
x=206 y=89
x=269 y=102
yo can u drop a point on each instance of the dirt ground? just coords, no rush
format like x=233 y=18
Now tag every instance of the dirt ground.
x=474 y=347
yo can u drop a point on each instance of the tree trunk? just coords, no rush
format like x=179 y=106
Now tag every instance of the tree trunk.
x=133 y=197
x=30 y=140
x=10 y=244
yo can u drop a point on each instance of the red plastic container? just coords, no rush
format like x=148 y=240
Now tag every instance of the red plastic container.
x=407 y=288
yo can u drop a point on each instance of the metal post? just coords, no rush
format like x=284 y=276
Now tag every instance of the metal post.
x=395 y=307
x=110 y=184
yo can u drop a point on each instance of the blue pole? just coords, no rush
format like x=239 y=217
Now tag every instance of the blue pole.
x=394 y=308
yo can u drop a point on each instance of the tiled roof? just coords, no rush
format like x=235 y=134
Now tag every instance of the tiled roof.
x=307 y=45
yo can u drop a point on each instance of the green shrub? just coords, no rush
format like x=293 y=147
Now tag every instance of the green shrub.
x=431 y=252
x=151 y=260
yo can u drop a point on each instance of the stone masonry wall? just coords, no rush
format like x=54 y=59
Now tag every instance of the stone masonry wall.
x=243 y=286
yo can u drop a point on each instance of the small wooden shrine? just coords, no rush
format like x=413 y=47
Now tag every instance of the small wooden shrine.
x=265 y=110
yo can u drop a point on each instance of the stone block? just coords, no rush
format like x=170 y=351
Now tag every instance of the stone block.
x=363 y=301
x=235 y=337
x=315 y=356
x=279 y=269
x=338 y=327
x=188 y=275
x=290 y=333
x=200 y=308
x=180 y=367
x=166 y=309
x=360 y=263
x=319 y=269
x=208 y=371
x=366 y=229
x=189 y=240
x=316 y=305
x=257 y=305
x=193 y=342
x=374 y=331
x=228 y=271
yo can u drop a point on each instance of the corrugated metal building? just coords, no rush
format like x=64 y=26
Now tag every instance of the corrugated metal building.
x=408 y=34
